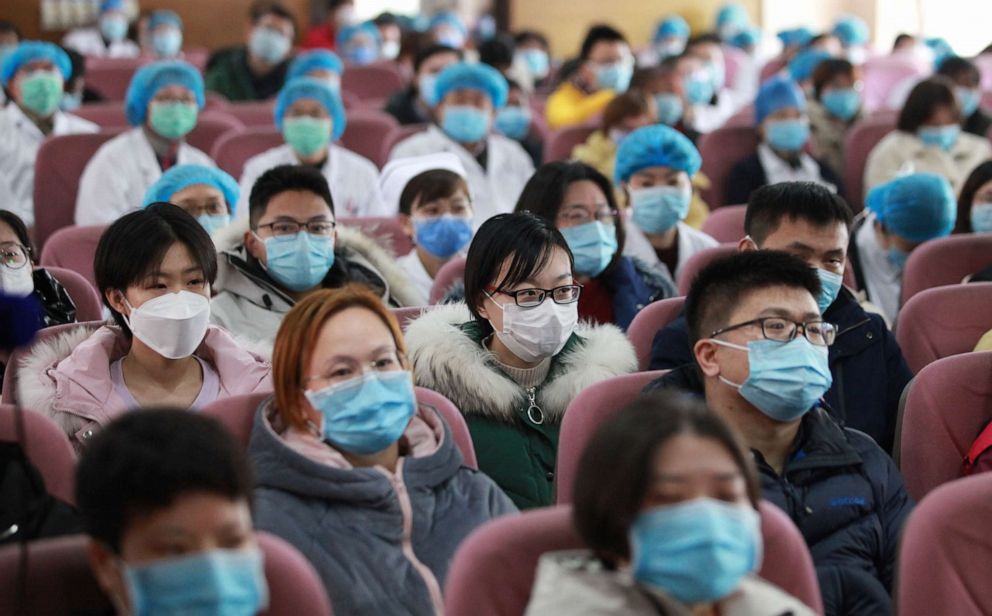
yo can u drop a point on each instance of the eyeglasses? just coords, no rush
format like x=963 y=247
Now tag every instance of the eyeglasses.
x=575 y=216
x=347 y=369
x=292 y=227
x=532 y=298
x=13 y=256
x=778 y=329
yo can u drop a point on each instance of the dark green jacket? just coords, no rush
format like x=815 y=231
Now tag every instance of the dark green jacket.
x=228 y=75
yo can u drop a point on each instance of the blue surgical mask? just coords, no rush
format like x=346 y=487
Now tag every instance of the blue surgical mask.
x=212 y=583
x=614 y=76
x=695 y=551
x=699 y=89
x=593 y=246
x=897 y=257
x=842 y=104
x=362 y=54
x=211 y=223
x=969 y=99
x=464 y=123
x=299 y=262
x=787 y=135
x=981 y=217
x=671 y=47
x=113 y=28
x=442 y=236
x=786 y=378
x=426 y=86
x=269 y=45
x=366 y=414
x=71 y=101
x=943 y=137
x=451 y=39
x=537 y=61
x=513 y=122
x=659 y=208
x=830 y=284
x=669 y=108
x=167 y=43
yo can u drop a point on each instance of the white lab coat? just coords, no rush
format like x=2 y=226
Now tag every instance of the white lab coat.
x=89 y=42
x=883 y=279
x=778 y=171
x=691 y=241
x=21 y=139
x=417 y=274
x=119 y=174
x=354 y=180
x=708 y=118
x=494 y=189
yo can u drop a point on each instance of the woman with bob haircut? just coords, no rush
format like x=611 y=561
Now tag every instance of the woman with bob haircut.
x=365 y=482
x=515 y=355
x=666 y=499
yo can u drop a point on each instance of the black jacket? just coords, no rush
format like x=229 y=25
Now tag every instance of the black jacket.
x=748 y=176
x=978 y=123
x=404 y=106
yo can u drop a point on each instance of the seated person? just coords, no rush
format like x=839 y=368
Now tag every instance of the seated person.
x=359 y=43
x=319 y=64
x=206 y=193
x=868 y=369
x=669 y=40
x=516 y=121
x=390 y=35
x=415 y=103
x=928 y=139
x=761 y=346
x=903 y=214
x=323 y=34
x=626 y=113
x=783 y=130
x=311 y=117
x=467 y=97
x=514 y=355
x=256 y=70
x=165 y=498
x=804 y=64
x=162 y=104
x=76 y=91
x=447 y=28
x=670 y=523
x=967 y=89
x=854 y=37
x=709 y=114
x=655 y=166
x=975 y=202
x=603 y=70
x=533 y=57
x=108 y=38
x=292 y=247
x=579 y=201
x=165 y=30
x=154 y=269
x=352 y=471
x=833 y=110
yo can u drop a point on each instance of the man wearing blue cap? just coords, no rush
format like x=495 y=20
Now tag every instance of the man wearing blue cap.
x=165 y=35
x=162 y=104
x=359 y=44
x=207 y=193
x=670 y=38
x=257 y=70
x=467 y=97
x=108 y=38
x=320 y=64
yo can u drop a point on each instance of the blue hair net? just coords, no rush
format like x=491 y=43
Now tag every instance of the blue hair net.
x=732 y=14
x=851 y=30
x=111 y=5
x=32 y=51
x=941 y=51
x=796 y=36
x=671 y=26
x=308 y=87
x=777 y=93
x=349 y=32
x=151 y=78
x=656 y=146
x=181 y=176
x=465 y=75
x=917 y=207
x=447 y=18
x=747 y=37
x=801 y=67
x=164 y=17
x=318 y=59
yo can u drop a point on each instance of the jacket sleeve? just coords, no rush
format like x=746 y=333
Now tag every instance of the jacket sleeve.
x=499 y=503
x=670 y=348
x=565 y=110
x=894 y=505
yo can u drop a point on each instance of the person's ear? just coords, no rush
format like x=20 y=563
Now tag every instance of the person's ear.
x=117 y=301
x=705 y=353
x=254 y=246
x=105 y=569
x=482 y=309
x=406 y=224
x=747 y=244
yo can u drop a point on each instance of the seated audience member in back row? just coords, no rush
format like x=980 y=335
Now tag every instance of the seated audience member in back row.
x=154 y=269
x=365 y=482
x=293 y=246
x=761 y=345
x=869 y=372
x=835 y=107
x=206 y=193
x=320 y=64
x=626 y=113
x=516 y=121
x=108 y=37
x=967 y=89
x=975 y=202
x=415 y=103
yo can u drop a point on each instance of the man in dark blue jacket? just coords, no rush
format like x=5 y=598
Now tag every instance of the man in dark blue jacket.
x=869 y=372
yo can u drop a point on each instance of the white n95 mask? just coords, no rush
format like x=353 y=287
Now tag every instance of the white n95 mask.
x=533 y=334
x=173 y=325
x=18 y=282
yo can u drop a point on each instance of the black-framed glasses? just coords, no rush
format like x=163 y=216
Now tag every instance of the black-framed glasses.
x=531 y=298
x=780 y=329
x=292 y=227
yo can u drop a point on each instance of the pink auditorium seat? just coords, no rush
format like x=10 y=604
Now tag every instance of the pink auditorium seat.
x=947 y=405
x=73 y=248
x=771 y=67
x=407 y=314
x=233 y=149
x=648 y=322
x=561 y=142
x=858 y=144
x=397 y=135
x=945 y=552
x=366 y=132
x=721 y=150
x=47 y=447
x=943 y=321
x=700 y=260
x=89 y=306
x=984 y=64
x=43 y=335
x=882 y=74
x=945 y=261
x=456 y=423
x=508 y=549
x=210 y=127
x=378 y=80
x=105 y=114
x=450 y=274
x=733 y=60
x=110 y=77
x=386 y=230
x=744 y=117
x=58 y=167
x=251 y=114
x=726 y=224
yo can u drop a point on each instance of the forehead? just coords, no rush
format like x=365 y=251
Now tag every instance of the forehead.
x=177 y=258
x=39 y=64
x=795 y=302
x=198 y=192
x=583 y=192
x=353 y=332
x=657 y=172
x=557 y=268
x=308 y=105
x=200 y=514
x=175 y=91
x=793 y=230
x=7 y=233
x=691 y=454
x=271 y=20
x=296 y=204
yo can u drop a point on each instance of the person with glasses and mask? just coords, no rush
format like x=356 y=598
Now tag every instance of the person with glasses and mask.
x=206 y=193
x=514 y=355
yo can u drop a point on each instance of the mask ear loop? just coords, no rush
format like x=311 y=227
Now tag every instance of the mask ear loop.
x=736 y=347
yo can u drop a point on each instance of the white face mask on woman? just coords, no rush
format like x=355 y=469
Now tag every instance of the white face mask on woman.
x=173 y=325
x=17 y=281
x=533 y=334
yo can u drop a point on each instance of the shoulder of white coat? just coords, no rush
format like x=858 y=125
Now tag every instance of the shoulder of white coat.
x=356 y=162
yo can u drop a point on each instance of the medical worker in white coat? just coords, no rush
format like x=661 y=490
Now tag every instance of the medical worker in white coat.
x=162 y=103
x=35 y=74
x=108 y=38
x=468 y=96
x=310 y=115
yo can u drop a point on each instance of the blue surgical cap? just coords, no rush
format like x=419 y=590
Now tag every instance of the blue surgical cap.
x=748 y=37
x=671 y=26
x=805 y=62
x=799 y=37
x=308 y=87
x=851 y=30
x=656 y=146
x=917 y=207
x=182 y=176
x=151 y=78
x=111 y=5
x=732 y=14
x=447 y=18
x=349 y=32
x=162 y=18
x=941 y=51
x=32 y=51
x=473 y=76
x=318 y=59
x=777 y=93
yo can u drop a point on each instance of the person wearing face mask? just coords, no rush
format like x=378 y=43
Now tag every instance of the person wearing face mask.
x=257 y=70
x=516 y=121
x=703 y=109
x=626 y=113
x=975 y=202
x=206 y=193
x=448 y=29
x=358 y=44
x=855 y=38
x=532 y=57
x=165 y=498
x=319 y=64
x=154 y=269
x=666 y=502
x=162 y=103
x=654 y=168
x=390 y=35
x=713 y=99
x=514 y=354
x=603 y=70
x=414 y=104
x=967 y=89
x=311 y=117
x=344 y=424
x=34 y=74
x=323 y=35
x=165 y=35
x=467 y=98
x=928 y=139
x=761 y=347
x=834 y=108
x=802 y=66
x=783 y=132
x=669 y=40
x=106 y=39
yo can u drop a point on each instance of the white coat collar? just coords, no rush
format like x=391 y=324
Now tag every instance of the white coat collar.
x=777 y=170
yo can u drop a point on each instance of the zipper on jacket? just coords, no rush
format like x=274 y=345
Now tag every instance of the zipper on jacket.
x=534 y=412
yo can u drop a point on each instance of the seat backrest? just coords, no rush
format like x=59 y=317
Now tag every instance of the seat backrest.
x=48 y=448
x=699 y=261
x=252 y=114
x=372 y=81
x=110 y=77
x=105 y=114
x=43 y=335
x=233 y=150
x=882 y=74
x=366 y=132
x=456 y=422
x=398 y=134
x=721 y=150
x=73 y=248
x=858 y=144
x=386 y=230
x=726 y=224
x=648 y=322
x=771 y=67
x=210 y=127
x=84 y=295
x=450 y=273
x=295 y=587
x=237 y=413
x=561 y=142
x=945 y=261
x=57 y=169
x=949 y=403
x=926 y=334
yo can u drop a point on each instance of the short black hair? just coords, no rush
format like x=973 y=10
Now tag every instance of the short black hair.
x=530 y=36
x=135 y=244
x=807 y=201
x=498 y=51
x=703 y=39
x=722 y=285
x=78 y=62
x=14 y=221
x=525 y=240
x=600 y=33
x=278 y=180
x=9 y=26
x=826 y=70
x=431 y=186
x=819 y=38
x=923 y=100
x=617 y=466
x=261 y=8
x=432 y=50
x=953 y=67
x=901 y=38
x=978 y=177
x=146 y=459
x=386 y=19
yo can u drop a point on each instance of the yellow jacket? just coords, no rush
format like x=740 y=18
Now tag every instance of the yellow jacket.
x=985 y=344
x=570 y=106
